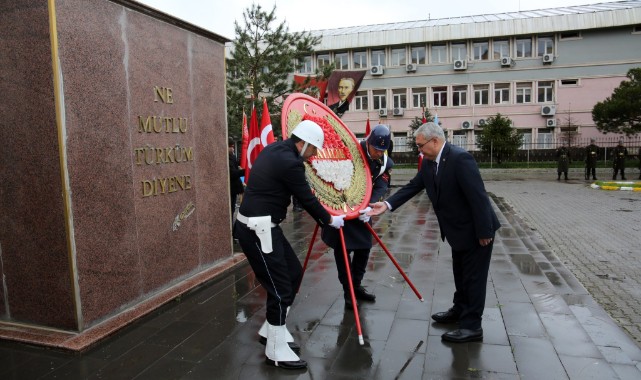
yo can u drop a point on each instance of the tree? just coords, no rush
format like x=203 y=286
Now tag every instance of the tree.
x=499 y=138
x=263 y=56
x=414 y=124
x=568 y=131
x=621 y=112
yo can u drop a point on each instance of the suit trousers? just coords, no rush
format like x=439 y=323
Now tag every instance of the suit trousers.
x=279 y=272
x=470 y=268
x=358 y=264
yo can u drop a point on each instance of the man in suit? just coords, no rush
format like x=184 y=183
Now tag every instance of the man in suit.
x=466 y=219
x=358 y=238
x=345 y=87
x=278 y=174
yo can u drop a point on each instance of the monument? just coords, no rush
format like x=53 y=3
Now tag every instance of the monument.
x=114 y=194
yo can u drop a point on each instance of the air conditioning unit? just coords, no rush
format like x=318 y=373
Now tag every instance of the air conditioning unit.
x=507 y=61
x=397 y=112
x=551 y=123
x=411 y=67
x=548 y=110
x=460 y=64
x=467 y=125
x=548 y=58
x=376 y=70
x=481 y=122
x=382 y=112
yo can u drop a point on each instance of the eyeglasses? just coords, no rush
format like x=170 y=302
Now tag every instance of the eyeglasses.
x=419 y=146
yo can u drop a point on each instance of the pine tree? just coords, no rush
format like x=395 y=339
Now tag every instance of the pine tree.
x=499 y=138
x=263 y=55
x=621 y=112
x=414 y=124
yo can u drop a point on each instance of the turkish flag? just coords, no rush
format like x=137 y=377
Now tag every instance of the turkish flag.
x=367 y=128
x=258 y=138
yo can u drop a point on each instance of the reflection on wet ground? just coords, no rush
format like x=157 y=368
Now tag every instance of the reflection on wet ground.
x=539 y=322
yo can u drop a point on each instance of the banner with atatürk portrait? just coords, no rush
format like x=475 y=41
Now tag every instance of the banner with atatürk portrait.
x=341 y=89
x=338 y=174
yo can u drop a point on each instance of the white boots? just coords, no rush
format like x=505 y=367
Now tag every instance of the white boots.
x=278 y=351
x=288 y=338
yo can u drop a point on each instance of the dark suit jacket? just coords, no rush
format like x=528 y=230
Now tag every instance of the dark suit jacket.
x=339 y=109
x=276 y=175
x=462 y=206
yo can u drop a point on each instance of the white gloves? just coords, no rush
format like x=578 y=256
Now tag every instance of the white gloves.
x=337 y=221
x=363 y=217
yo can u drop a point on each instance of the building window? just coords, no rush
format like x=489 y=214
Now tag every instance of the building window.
x=399 y=98
x=523 y=47
x=545 y=45
x=340 y=60
x=399 y=57
x=481 y=94
x=481 y=50
x=360 y=60
x=569 y=82
x=524 y=93
x=439 y=53
x=501 y=93
x=378 y=57
x=570 y=36
x=306 y=65
x=380 y=100
x=527 y=138
x=360 y=101
x=501 y=48
x=418 y=55
x=459 y=96
x=459 y=51
x=419 y=97
x=546 y=92
x=439 y=96
x=322 y=60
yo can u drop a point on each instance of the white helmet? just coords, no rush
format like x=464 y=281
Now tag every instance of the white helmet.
x=310 y=132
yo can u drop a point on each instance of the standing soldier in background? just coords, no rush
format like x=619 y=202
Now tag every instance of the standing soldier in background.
x=639 y=157
x=619 y=153
x=591 y=154
x=563 y=162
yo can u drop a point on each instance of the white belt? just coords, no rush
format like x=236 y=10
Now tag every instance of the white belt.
x=244 y=220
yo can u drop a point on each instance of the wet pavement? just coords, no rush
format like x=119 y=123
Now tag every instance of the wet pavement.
x=540 y=322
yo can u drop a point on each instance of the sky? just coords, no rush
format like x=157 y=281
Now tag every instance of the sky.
x=218 y=16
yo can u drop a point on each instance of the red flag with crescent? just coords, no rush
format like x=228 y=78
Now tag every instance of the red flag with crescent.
x=243 y=149
x=338 y=175
x=253 y=145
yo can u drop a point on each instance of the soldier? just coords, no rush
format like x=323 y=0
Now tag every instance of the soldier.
x=563 y=162
x=591 y=154
x=619 y=153
x=277 y=174
x=358 y=238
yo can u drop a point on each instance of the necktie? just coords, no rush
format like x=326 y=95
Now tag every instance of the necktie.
x=434 y=166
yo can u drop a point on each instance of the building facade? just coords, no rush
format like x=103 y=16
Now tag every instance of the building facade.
x=543 y=69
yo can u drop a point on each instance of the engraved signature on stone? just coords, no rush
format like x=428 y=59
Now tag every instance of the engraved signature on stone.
x=189 y=209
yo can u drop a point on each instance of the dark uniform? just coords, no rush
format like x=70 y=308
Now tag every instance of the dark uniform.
x=563 y=162
x=619 y=153
x=358 y=238
x=277 y=174
x=639 y=157
x=235 y=184
x=591 y=155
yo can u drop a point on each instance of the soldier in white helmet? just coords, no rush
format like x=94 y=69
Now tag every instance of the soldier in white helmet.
x=276 y=176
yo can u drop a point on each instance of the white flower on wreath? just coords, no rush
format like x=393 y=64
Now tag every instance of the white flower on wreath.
x=339 y=173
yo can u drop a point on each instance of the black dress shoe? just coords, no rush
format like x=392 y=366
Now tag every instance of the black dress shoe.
x=349 y=305
x=363 y=294
x=293 y=345
x=299 y=364
x=449 y=316
x=463 y=335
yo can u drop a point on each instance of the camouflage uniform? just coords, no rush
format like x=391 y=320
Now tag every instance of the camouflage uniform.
x=563 y=162
x=619 y=153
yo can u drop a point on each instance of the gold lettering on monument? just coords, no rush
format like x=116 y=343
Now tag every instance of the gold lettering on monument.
x=163 y=155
